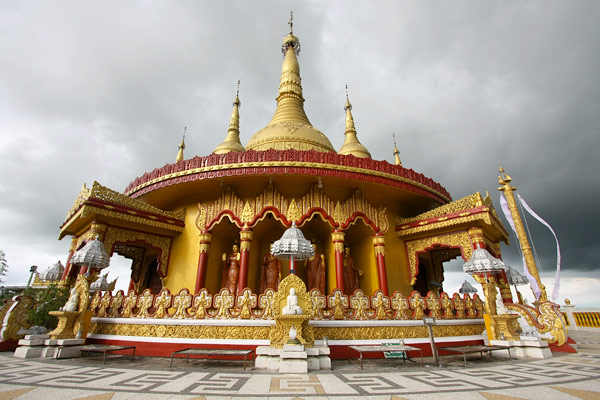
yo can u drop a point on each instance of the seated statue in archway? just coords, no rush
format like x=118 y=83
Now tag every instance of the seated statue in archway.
x=271 y=275
x=292 y=307
x=315 y=271
x=231 y=270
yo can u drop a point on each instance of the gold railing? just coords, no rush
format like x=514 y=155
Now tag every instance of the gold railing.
x=248 y=305
x=589 y=319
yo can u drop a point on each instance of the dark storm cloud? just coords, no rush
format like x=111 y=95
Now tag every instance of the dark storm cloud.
x=102 y=91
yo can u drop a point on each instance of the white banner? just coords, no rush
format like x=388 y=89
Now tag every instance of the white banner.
x=532 y=281
x=557 y=277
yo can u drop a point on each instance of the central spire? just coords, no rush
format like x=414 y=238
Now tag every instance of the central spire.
x=290 y=127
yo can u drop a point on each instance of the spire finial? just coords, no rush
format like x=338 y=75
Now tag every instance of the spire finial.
x=396 y=152
x=237 y=101
x=291 y=22
x=348 y=106
x=181 y=146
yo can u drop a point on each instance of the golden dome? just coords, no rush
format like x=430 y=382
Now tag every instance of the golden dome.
x=351 y=143
x=290 y=128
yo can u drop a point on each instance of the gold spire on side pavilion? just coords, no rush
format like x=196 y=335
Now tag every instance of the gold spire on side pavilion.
x=181 y=147
x=396 y=152
x=290 y=127
x=232 y=140
x=351 y=144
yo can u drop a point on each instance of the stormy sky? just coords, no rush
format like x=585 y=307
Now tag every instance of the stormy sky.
x=102 y=90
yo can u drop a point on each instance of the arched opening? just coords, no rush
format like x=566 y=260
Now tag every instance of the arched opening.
x=359 y=241
x=224 y=235
x=431 y=268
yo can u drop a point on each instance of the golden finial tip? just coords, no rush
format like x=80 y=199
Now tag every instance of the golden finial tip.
x=291 y=22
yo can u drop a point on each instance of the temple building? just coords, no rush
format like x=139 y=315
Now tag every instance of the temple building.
x=199 y=231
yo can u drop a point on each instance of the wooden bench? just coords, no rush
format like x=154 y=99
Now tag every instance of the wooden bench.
x=103 y=349
x=464 y=350
x=210 y=352
x=384 y=348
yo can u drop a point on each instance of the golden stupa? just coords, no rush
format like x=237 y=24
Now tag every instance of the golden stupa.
x=198 y=233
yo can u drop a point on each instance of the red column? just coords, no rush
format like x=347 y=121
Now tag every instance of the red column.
x=338 y=247
x=379 y=248
x=205 y=237
x=245 y=241
x=68 y=263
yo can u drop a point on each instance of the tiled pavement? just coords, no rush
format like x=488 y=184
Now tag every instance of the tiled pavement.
x=566 y=376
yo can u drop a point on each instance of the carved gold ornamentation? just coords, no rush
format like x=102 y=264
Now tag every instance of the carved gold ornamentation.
x=116 y=304
x=185 y=331
x=205 y=239
x=395 y=332
x=381 y=304
x=546 y=318
x=266 y=303
x=120 y=235
x=433 y=304
x=244 y=303
x=16 y=317
x=466 y=203
x=245 y=239
x=202 y=301
x=130 y=304
x=446 y=304
x=223 y=304
x=459 y=239
x=144 y=304
x=293 y=213
x=337 y=302
x=417 y=304
x=181 y=303
x=478 y=305
x=318 y=304
x=294 y=209
x=162 y=303
x=338 y=240
x=379 y=245
x=459 y=306
x=360 y=304
x=400 y=305
x=104 y=304
x=247 y=213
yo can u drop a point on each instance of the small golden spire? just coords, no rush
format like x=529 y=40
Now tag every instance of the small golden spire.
x=396 y=151
x=291 y=22
x=351 y=143
x=181 y=146
x=232 y=140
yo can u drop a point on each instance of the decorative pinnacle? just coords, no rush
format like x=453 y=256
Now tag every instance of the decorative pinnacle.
x=348 y=105
x=237 y=95
x=504 y=180
x=290 y=40
x=396 y=152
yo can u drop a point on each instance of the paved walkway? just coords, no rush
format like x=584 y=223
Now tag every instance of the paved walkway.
x=565 y=376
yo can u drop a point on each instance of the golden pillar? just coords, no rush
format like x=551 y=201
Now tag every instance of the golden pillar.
x=337 y=237
x=508 y=190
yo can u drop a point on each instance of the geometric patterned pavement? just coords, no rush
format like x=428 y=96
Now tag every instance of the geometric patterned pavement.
x=565 y=376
